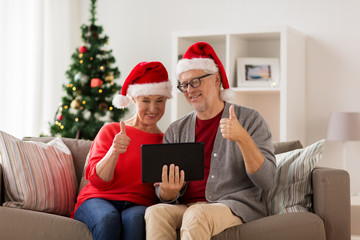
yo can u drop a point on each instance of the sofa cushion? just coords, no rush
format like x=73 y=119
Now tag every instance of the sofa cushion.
x=294 y=226
x=31 y=225
x=79 y=149
x=38 y=176
x=291 y=190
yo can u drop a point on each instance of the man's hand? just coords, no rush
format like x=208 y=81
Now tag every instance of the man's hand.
x=121 y=140
x=171 y=184
x=230 y=127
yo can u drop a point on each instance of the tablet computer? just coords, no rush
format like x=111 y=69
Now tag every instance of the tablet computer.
x=188 y=156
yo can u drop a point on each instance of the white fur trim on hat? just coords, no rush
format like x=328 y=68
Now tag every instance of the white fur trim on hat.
x=206 y=64
x=227 y=94
x=160 y=88
x=120 y=101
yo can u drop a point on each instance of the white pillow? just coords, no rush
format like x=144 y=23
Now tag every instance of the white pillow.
x=291 y=190
x=38 y=176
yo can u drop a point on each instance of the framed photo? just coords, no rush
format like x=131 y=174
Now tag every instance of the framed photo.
x=258 y=72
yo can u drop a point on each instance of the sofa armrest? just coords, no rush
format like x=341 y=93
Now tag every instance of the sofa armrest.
x=331 y=201
x=2 y=189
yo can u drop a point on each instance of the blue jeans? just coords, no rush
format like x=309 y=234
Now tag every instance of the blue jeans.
x=112 y=219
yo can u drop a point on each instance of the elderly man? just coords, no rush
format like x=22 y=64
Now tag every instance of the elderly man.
x=239 y=159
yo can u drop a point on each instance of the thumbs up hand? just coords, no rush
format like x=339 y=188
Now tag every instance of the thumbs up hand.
x=121 y=140
x=230 y=127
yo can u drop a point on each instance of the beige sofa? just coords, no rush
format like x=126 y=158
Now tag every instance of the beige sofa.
x=330 y=220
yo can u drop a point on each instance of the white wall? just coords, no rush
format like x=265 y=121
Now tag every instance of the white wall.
x=140 y=30
x=36 y=42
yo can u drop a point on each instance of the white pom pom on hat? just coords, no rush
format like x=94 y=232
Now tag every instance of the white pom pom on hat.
x=147 y=78
x=202 y=56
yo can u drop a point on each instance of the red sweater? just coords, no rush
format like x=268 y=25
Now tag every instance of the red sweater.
x=126 y=184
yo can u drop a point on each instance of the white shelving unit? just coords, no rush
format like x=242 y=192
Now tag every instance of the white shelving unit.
x=282 y=106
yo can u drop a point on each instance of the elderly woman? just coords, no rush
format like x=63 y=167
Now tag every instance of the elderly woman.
x=113 y=203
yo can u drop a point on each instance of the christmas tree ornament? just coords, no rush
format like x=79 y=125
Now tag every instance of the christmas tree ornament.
x=74 y=111
x=86 y=114
x=83 y=49
x=106 y=117
x=81 y=77
x=109 y=77
x=96 y=82
x=103 y=106
x=147 y=78
x=75 y=103
x=60 y=117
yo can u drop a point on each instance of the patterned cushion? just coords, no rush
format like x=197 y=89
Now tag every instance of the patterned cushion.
x=291 y=190
x=38 y=176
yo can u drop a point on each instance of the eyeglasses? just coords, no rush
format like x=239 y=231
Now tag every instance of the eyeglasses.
x=194 y=83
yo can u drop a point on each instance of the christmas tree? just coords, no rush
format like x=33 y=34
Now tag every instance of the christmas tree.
x=90 y=87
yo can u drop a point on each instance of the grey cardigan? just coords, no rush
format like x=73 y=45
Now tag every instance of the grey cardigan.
x=228 y=181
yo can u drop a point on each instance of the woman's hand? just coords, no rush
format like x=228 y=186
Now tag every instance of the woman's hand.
x=171 y=183
x=121 y=140
x=106 y=166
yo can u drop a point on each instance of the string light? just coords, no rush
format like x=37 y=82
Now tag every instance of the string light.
x=80 y=55
x=66 y=107
x=111 y=108
x=91 y=58
x=62 y=126
x=76 y=119
x=100 y=90
x=83 y=102
x=81 y=61
x=74 y=88
x=101 y=68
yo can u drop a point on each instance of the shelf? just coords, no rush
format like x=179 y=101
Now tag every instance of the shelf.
x=257 y=90
x=355 y=200
x=282 y=106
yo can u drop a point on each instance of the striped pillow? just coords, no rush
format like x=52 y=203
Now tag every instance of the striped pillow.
x=292 y=190
x=38 y=176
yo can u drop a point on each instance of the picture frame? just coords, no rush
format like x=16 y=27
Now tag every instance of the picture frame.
x=258 y=72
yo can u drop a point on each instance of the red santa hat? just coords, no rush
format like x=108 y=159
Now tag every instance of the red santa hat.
x=202 y=56
x=147 y=78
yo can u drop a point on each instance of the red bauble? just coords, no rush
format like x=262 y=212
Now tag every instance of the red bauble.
x=96 y=82
x=60 y=117
x=83 y=49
